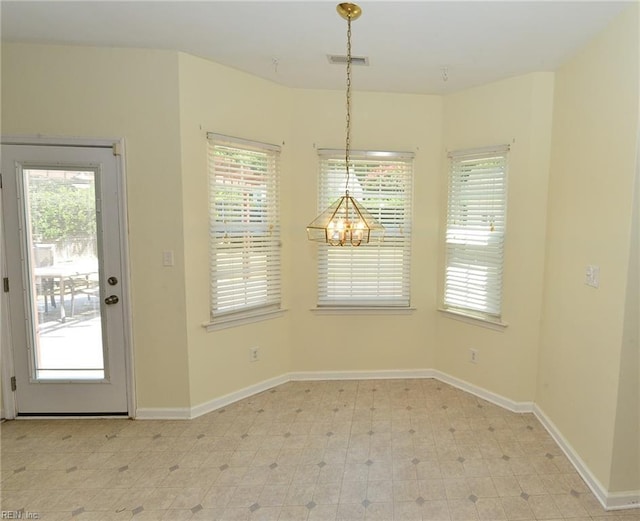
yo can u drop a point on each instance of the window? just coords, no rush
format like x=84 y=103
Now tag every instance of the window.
x=244 y=228
x=374 y=274
x=475 y=232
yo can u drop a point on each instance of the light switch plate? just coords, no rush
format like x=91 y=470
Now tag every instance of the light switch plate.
x=592 y=276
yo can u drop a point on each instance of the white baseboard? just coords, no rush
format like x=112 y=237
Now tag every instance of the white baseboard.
x=623 y=500
x=486 y=395
x=361 y=375
x=163 y=413
x=609 y=501
x=227 y=399
x=188 y=413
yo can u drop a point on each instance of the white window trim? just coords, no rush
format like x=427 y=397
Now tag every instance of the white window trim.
x=258 y=313
x=362 y=310
x=470 y=316
x=234 y=321
x=475 y=320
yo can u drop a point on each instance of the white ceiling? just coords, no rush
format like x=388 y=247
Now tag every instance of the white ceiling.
x=407 y=42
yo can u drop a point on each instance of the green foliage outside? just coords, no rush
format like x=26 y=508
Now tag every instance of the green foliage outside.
x=60 y=210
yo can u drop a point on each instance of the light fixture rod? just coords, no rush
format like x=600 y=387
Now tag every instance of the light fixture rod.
x=347 y=147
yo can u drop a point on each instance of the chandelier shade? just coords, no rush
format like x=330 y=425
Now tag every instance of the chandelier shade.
x=345 y=222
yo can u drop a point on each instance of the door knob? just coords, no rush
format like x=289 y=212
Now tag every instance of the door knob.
x=111 y=299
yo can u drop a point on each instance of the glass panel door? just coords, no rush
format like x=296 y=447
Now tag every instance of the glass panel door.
x=61 y=234
x=65 y=233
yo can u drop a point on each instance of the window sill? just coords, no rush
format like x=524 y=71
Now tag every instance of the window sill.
x=241 y=320
x=476 y=320
x=362 y=310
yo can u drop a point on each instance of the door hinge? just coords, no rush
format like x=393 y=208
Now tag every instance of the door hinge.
x=5 y=284
x=117 y=149
x=0 y=180
x=14 y=386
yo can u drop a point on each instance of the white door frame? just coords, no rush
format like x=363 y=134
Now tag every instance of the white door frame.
x=6 y=352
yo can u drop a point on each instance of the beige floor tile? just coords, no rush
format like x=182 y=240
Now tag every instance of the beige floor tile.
x=544 y=507
x=517 y=508
x=294 y=513
x=353 y=492
x=432 y=489
x=265 y=514
x=350 y=512
x=531 y=484
x=379 y=512
x=217 y=497
x=380 y=491
x=456 y=488
x=405 y=490
x=299 y=494
x=569 y=506
x=327 y=493
x=323 y=513
x=490 y=509
x=462 y=510
x=507 y=486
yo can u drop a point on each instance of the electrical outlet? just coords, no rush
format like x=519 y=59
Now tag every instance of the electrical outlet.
x=473 y=356
x=254 y=354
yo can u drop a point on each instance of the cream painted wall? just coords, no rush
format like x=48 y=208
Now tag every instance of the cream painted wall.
x=379 y=122
x=222 y=100
x=589 y=214
x=516 y=111
x=90 y=92
x=625 y=466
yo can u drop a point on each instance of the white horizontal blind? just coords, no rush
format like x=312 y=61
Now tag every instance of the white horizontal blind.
x=378 y=273
x=244 y=227
x=475 y=231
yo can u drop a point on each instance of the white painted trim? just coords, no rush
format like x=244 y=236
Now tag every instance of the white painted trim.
x=623 y=500
x=6 y=353
x=163 y=413
x=362 y=310
x=489 y=396
x=8 y=405
x=186 y=413
x=227 y=399
x=613 y=501
x=361 y=375
x=39 y=140
x=475 y=320
x=242 y=319
x=125 y=273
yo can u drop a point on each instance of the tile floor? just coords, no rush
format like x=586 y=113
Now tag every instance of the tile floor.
x=304 y=451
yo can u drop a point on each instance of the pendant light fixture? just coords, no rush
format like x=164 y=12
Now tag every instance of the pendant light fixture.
x=345 y=222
